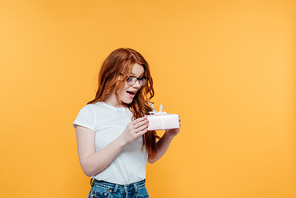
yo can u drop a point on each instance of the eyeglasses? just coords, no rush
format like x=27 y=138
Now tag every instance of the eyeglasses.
x=133 y=79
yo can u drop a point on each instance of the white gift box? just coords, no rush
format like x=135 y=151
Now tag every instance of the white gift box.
x=162 y=121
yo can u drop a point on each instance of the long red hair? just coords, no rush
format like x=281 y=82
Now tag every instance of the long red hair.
x=121 y=62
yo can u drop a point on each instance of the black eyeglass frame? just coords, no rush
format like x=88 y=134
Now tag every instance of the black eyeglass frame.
x=132 y=82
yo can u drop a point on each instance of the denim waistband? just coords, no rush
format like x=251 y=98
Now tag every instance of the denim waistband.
x=117 y=187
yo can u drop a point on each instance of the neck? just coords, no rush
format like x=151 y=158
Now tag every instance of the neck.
x=113 y=101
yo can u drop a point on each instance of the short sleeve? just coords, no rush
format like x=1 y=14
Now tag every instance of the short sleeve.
x=86 y=118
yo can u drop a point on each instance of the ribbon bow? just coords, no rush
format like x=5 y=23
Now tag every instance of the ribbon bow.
x=160 y=112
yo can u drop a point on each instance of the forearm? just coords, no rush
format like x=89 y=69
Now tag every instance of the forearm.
x=93 y=162
x=161 y=147
x=98 y=161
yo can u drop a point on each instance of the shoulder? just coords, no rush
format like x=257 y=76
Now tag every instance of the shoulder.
x=92 y=107
x=96 y=110
x=88 y=109
x=87 y=117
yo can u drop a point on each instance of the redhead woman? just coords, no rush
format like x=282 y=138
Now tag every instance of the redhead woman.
x=113 y=140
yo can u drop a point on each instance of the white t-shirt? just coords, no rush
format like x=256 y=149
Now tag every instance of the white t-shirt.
x=108 y=123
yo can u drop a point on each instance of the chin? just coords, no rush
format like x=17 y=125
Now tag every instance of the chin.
x=126 y=102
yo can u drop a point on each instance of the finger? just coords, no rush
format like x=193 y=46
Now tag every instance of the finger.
x=143 y=127
x=140 y=129
x=141 y=123
x=142 y=132
x=136 y=121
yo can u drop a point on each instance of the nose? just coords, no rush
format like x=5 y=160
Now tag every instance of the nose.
x=137 y=85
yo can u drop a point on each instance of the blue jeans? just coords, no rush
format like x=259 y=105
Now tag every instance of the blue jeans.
x=101 y=189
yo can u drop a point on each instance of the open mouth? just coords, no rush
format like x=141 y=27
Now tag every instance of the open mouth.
x=131 y=94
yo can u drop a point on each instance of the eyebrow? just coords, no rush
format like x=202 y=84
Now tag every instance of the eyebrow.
x=135 y=74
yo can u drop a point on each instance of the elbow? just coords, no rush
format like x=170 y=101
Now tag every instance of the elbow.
x=90 y=169
x=87 y=170
x=87 y=173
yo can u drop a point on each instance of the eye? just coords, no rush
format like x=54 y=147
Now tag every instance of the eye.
x=130 y=79
x=143 y=80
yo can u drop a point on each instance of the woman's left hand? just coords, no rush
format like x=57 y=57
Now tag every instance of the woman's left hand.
x=163 y=144
x=173 y=132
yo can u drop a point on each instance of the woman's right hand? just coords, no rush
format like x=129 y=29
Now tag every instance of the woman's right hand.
x=92 y=161
x=134 y=130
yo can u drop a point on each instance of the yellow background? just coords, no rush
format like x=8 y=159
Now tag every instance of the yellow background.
x=227 y=67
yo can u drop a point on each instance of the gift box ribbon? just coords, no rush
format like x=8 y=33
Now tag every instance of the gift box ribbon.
x=161 y=113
